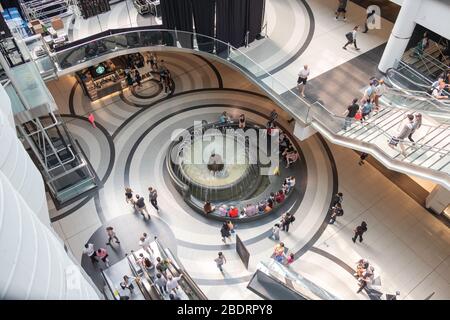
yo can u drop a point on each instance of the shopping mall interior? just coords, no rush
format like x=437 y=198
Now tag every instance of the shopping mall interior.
x=225 y=149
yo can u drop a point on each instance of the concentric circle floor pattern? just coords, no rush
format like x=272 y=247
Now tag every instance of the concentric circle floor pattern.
x=140 y=135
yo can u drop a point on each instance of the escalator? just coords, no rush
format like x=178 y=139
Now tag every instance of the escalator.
x=143 y=279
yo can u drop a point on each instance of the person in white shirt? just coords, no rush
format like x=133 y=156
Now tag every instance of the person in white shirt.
x=144 y=242
x=438 y=92
x=302 y=78
x=90 y=252
x=351 y=37
x=172 y=283
x=380 y=89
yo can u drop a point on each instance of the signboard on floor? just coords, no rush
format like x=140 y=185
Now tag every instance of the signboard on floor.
x=242 y=251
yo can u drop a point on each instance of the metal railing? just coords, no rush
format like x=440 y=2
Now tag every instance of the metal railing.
x=87 y=53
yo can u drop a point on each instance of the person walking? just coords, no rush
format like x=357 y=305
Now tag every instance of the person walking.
x=370 y=19
x=276 y=232
x=302 y=79
x=161 y=282
x=90 y=252
x=341 y=9
x=366 y=109
x=153 y=61
x=111 y=235
x=225 y=232
x=144 y=243
x=337 y=198
x=286 y=221
x=416 y=125
x=103 y=255
x=153 y=196
x=91 y=119
x=129 y=196
x=290 y=259
x=220 y=261
x=359 y=231
x=351 y=38
x=141 y=207
x=405 y=132
x=350 y=113
x=362 y=157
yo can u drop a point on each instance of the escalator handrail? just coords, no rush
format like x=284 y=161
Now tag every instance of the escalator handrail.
x=386 y=134
x=107 y=283
x=149 y=278
x=141 y=287
x=182 y=271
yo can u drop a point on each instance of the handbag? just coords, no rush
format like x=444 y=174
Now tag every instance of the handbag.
x=358 y=115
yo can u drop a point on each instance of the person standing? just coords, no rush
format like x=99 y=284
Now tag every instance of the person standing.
x=220 y=261
x=140 y=206
x=416 y=125
x=161 y=282
x=290 y=259
x=350 y=113
x=153 y=196
x=370 y=18
x=127 y=283
x=111 y=235
x=286 y=221
x=276 y=232
x=302 y=79
x=362 y=157
x=342 y=9
x=103 y=255
x=153 y=62
x=351 y=38
x=138 y=78
x=90 y=252
x=380 y=89
x=225 y=232
x=336 y=211
x=359 y=231
x=278 y=252
x=242 y=121
x=172 y=283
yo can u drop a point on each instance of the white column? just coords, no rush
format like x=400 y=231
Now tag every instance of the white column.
x=400 y=35
x=438 y=199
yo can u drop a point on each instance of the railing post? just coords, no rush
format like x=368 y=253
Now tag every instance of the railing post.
x=229 y=51
x=247 y=35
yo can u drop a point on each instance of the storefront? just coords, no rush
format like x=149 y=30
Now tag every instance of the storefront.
x=110 y=76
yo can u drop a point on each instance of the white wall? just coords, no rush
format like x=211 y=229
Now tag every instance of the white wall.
x=435 y=16
x=33 y=262
x=16 y=164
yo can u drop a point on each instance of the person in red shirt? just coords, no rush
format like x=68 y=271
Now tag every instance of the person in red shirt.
x=280 y=196
x=91 y=119
x=103 y=255
x=234 y=212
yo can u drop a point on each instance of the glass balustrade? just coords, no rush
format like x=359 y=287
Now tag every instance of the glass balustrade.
x=80 y=55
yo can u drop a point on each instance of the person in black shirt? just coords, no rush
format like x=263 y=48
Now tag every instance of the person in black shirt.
x=338 y=198
x=138 y=78
x=359 y=231
x=369 y=19
x=140 y=206
x=350 y=113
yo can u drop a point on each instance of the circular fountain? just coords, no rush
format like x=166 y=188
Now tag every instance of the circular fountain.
x=216 y=167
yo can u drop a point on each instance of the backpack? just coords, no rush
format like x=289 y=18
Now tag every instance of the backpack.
x=349 y=36
x=292 y=219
